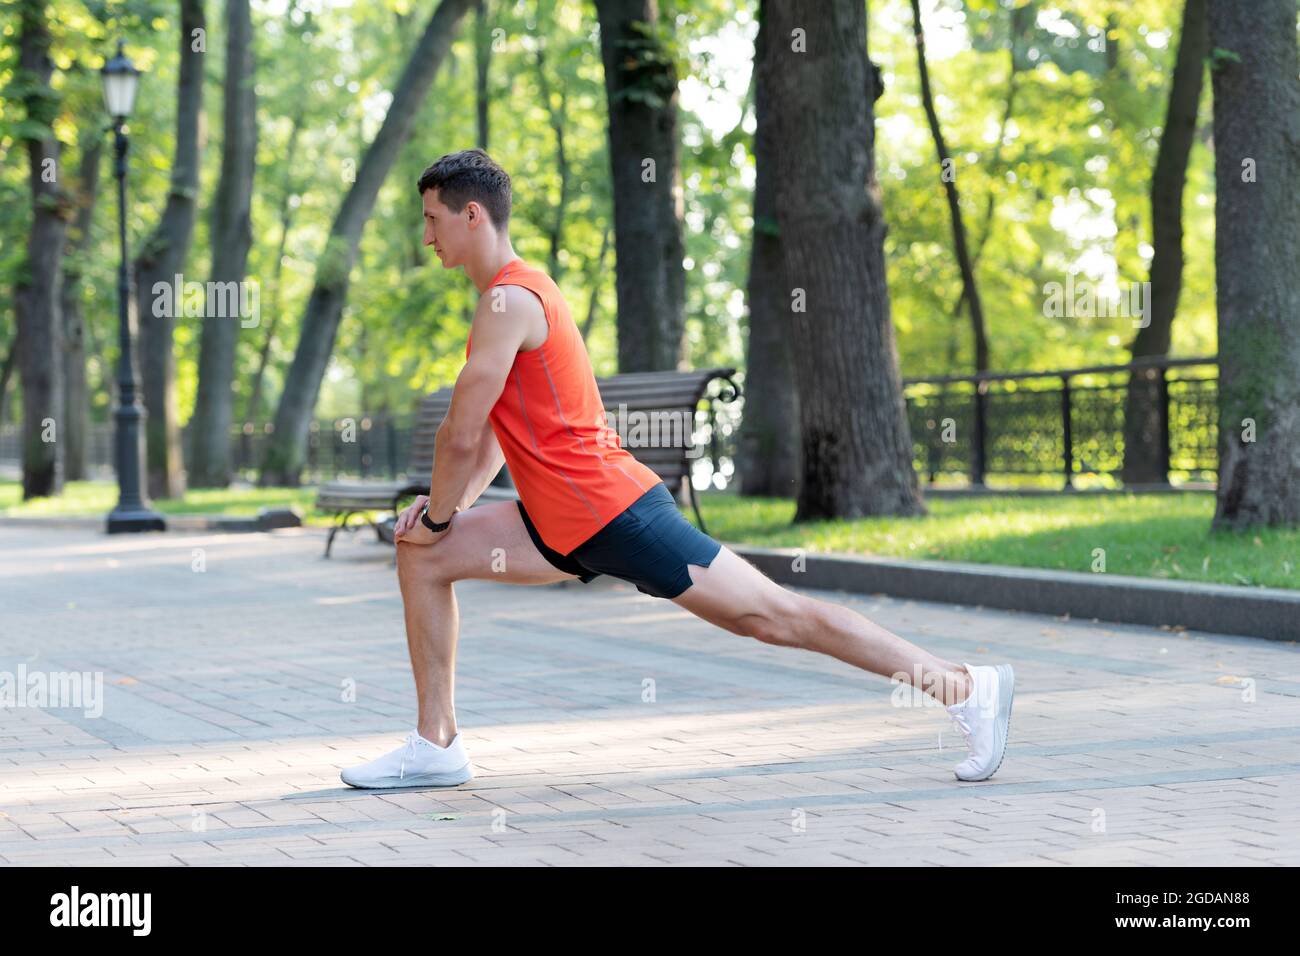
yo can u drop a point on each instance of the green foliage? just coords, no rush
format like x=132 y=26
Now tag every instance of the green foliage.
x=1160 y=536
x=1068 y=181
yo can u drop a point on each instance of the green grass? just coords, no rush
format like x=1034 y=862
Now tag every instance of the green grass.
x=97 y=498
x=1157 y=535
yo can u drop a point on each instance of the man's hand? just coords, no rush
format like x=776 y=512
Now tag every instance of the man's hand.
x=411 y=529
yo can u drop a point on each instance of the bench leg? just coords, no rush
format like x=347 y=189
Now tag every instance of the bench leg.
x=695 y=503
x=342 y=523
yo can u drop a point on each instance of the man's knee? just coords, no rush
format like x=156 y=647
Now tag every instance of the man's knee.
x=782 y=619
x=422 y=563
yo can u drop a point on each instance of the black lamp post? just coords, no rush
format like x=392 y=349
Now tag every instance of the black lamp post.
x=132 y=512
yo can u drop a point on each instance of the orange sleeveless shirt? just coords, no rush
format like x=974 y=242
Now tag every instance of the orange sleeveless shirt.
x=570 y=470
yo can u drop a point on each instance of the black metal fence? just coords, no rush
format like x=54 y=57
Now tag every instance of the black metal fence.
x=1067 y=422
x=359 y=446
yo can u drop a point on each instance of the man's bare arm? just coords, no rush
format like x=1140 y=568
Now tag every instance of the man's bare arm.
x=457 y=461
x=490 y=461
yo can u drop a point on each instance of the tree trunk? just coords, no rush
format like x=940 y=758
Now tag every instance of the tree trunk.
x=595 y=277
x=253 y=410
x=1257 y=259
x=161 y=259
x=37 y=294
x=289 y=187
x=970 y=290
x=210 y=465
x=76 y=395
x=857 y=450
x=1021 y=21
x=768 y=454
x=483 y=103
x=555 y=232
x=947 y=175
x=6 y=373
x=1144 y=460
x=287 y=448
x=482 y=60
x=641 y=88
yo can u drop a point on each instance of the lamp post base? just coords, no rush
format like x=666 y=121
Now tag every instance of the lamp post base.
x=120 y=522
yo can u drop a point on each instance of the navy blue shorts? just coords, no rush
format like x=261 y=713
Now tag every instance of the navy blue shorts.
x=649 y=544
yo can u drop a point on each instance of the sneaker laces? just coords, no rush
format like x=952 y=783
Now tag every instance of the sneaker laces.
x=959 y=721
x=412 y=741
x=959 y=716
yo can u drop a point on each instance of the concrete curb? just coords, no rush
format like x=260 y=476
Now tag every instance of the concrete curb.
x=1270 y=613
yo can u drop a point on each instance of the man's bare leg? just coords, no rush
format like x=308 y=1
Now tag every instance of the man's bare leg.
x=427 y=574
x=432 y=630
x=736 y=596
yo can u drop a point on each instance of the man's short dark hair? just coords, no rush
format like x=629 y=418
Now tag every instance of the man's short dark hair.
x=470 y=174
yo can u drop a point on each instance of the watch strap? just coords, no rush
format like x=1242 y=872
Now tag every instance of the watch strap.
x=433 y=525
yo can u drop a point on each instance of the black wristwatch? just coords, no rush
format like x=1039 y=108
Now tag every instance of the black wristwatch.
x=434 y=526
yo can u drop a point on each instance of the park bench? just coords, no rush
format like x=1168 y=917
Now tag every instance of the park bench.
x=637 y=404
x=348 y=498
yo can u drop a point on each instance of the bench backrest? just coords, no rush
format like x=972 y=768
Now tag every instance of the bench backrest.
x=432 y=410
x=647 y=409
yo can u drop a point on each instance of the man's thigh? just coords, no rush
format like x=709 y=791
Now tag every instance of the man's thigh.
x=485 y=542
x=734 y=595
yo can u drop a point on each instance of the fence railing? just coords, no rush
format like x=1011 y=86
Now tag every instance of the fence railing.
x=1066 y=422
x=356 y=446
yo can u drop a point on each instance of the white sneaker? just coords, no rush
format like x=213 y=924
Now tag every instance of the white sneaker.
x=417 y=763
x=984 y=719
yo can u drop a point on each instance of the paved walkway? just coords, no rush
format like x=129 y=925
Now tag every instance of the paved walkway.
x=605 y=726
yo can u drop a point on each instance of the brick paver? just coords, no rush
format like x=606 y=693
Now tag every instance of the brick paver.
x=227 y=713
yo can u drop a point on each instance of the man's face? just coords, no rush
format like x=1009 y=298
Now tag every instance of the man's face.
x=448 y=232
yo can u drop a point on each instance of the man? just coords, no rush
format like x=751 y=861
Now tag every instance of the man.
x=527 y=396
